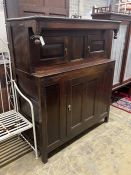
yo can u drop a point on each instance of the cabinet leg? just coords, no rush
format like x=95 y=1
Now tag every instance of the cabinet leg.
x=45 y=158
x=106 y=119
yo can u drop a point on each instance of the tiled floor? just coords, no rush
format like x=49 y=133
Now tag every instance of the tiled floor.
x=105 y=150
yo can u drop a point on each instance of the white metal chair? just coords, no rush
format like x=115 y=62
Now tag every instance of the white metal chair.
x=12 y=122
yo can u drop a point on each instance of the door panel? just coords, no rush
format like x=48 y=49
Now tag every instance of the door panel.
x=94 y=43
x=55 y=50
x=74 y=105
x=82 y=101
x=89 y=100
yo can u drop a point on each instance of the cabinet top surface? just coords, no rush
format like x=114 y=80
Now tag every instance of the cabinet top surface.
x=46 y=19
x=42 y=18
x=66 y=23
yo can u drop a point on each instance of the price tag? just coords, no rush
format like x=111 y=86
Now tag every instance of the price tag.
x=42 y=41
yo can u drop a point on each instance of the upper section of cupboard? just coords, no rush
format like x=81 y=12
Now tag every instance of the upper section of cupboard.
x=44 y=41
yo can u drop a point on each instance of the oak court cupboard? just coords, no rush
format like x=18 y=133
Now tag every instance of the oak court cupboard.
x=63 y=66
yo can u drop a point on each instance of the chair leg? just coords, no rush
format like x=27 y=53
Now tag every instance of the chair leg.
x=106 y=119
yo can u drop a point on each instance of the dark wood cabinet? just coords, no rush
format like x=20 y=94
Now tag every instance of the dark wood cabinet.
x=68 y=80
x=19 y=8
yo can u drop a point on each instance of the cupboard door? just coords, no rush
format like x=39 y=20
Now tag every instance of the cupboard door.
x=88 y=100
x=55 y=50
x=94 y=43
x=55 y=115
x=81 y=104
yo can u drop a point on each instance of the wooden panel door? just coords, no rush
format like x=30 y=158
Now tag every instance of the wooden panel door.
x=81 y=104
x=88 y=100
x=118 y=46
x=55 y=51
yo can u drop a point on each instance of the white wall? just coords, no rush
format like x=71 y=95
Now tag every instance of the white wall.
x=3 y=35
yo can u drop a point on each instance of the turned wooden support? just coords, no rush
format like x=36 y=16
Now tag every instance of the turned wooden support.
x=115 y=33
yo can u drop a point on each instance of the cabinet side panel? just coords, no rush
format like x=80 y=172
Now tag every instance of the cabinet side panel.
x=21 y=47
x=53 y=113
x=104 y=93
